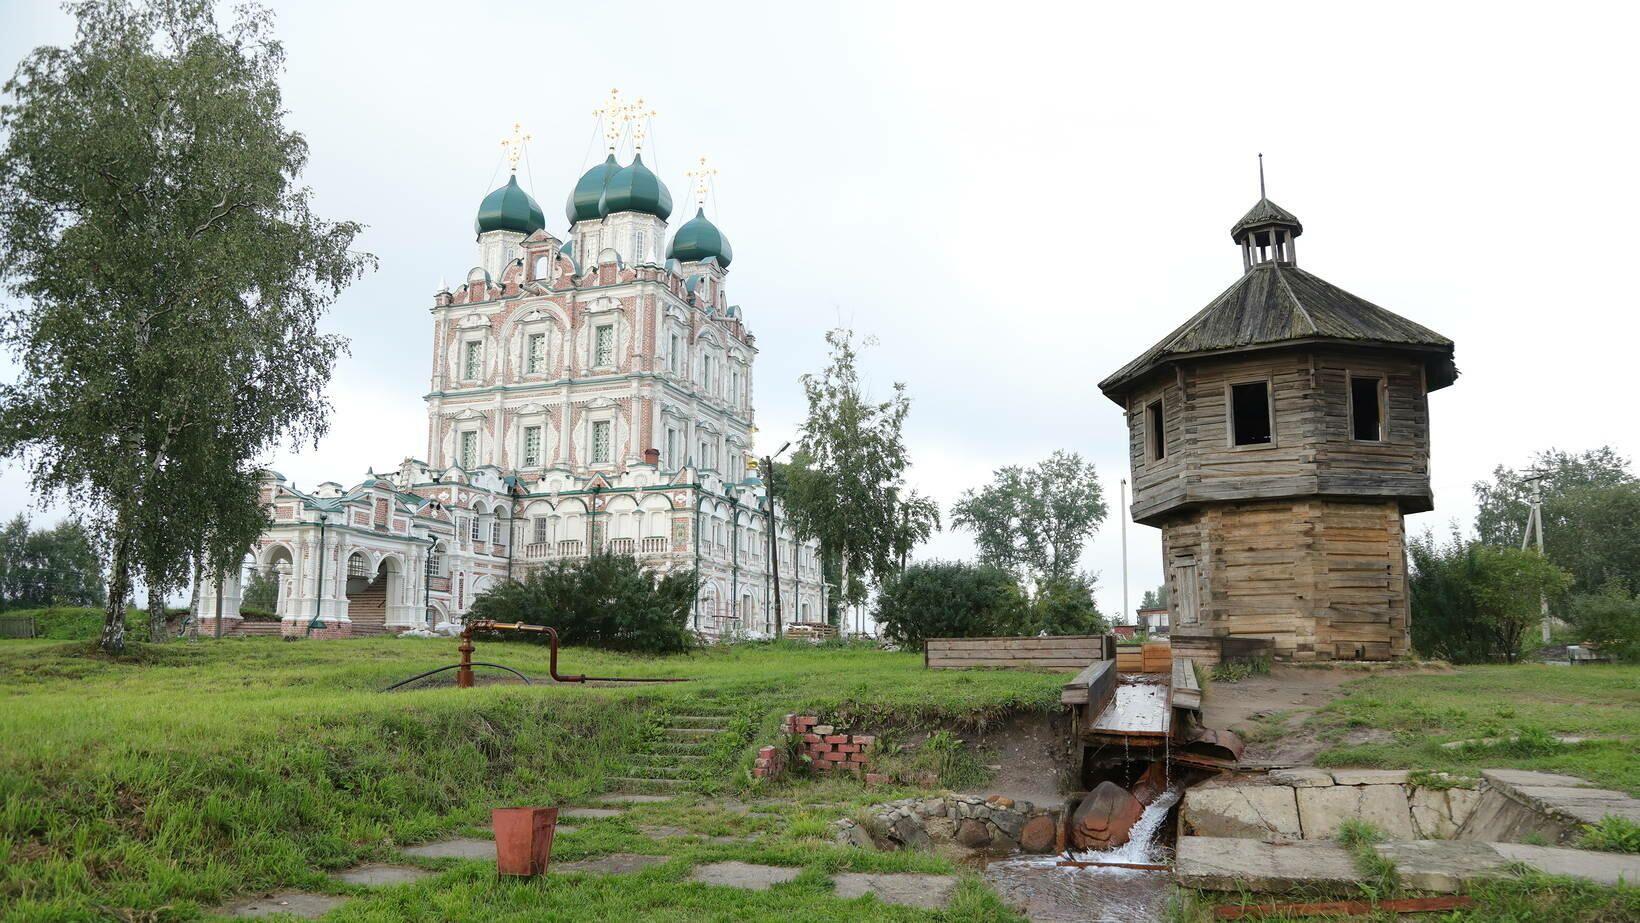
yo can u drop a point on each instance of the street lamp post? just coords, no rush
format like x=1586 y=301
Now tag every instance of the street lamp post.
x=319 y=584
x=774 y=551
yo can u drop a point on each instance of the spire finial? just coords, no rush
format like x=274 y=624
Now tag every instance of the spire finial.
x=702 y=175
x=639 y=117
x=1261 y=175
x=613 y=115
x=514 y=146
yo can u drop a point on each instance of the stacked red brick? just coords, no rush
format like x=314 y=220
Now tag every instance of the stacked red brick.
x=827 y=750
x=771 y=763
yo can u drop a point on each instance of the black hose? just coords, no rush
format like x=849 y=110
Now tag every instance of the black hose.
x=457 y=666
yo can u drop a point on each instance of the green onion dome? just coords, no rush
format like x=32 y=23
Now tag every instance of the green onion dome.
x=635 y=188
x=698 y=239
x=588 y=191
x=510 y=208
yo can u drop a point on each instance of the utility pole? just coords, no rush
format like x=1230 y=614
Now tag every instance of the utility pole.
x=1124 y=512
x=774 y=549
x=1534 y=519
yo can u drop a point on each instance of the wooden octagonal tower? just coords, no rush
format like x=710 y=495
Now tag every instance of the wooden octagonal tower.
x=1277 y=439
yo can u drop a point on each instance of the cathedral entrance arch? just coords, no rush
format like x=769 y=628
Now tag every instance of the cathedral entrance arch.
x=374 y=589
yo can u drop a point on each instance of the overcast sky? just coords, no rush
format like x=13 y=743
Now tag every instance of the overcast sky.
x=1013 y=201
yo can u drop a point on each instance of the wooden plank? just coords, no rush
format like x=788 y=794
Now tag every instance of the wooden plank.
x=1082 y=689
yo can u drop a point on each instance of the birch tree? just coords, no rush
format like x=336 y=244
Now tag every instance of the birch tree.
x=168 y=277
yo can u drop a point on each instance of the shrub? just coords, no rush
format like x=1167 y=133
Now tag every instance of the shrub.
x=1065 y=607
x=1473 y=603
x=1612 y=834
x=948 y=599
x=606 y=601
x=1610 y=619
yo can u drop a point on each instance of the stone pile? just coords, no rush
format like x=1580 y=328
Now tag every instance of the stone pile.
x=955 y=822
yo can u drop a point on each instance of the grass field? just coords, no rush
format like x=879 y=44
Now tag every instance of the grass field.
x=155 y=786
x=1525 y=707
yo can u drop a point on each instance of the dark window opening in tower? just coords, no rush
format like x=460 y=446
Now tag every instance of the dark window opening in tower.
x=1155 y=431
x=1250 y=413
x=1366 y=409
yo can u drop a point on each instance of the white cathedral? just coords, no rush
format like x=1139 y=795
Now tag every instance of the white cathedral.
x=590 y=394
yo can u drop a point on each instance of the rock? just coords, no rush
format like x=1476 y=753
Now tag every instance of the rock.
x=974 y=833
x=1009 y=822
x=941 y=828
x=1104 y=819
x=1302 y=777
x=1444 y=866
x=1370 y=776
x=934 y=807
x=910 y=833
x=1321 y=810
x=1234 y=864
x=1001 y=802
x=930 y=892
x=1606 y=868
x=1437 y=814
x=823 y=730
x=1037 y=836
x=1256 y=811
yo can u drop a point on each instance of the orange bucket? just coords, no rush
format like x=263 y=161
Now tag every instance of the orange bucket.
x=523 y=839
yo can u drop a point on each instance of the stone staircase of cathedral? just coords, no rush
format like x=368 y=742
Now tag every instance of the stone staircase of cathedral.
x=368 y=610
x=676 y=761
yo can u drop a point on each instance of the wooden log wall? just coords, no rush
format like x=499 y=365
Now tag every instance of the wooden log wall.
x=1066 y=652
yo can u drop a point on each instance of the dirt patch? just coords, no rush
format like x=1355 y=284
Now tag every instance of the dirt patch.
x=1029 y=755
x=1268 y=711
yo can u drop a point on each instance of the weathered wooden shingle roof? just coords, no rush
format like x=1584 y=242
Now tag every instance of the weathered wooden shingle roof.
x=1277 y=304
x=1262 y=213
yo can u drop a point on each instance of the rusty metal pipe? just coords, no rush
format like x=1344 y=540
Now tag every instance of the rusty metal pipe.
x=464 y=677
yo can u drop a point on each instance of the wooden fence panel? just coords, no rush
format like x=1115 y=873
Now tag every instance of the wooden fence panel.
x=17 y=626
x=1066 y=652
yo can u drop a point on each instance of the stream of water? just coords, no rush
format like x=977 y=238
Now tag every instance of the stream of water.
x=1049 y=892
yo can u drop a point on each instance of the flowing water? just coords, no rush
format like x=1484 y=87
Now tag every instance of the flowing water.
x=1046 y=891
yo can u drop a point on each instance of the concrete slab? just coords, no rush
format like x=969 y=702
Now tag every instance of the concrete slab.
x=1444 y=866
x=1438 y=813
x=298 y=904
x=589 y=813
x=1258 y=811
x=1322 y=810
x=620 y=863
x=628 y=798
x=1513 y=777
x=1370 y=776
x=1301 y=777
x=462 y=848
x=1606 y=868
x=930 y=892
x=661 y=833
x=743 y=875
x=375 y=874
x=1232 y=864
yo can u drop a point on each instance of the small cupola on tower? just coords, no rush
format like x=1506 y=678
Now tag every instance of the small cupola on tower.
x=1266 y=233
x=507 y=215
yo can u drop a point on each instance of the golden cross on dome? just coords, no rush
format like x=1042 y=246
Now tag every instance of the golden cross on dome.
x=514 y=146
x=639 y=117
x=613 y=114
x=702 y=175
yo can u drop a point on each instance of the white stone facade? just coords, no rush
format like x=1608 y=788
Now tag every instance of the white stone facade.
x=572 y=407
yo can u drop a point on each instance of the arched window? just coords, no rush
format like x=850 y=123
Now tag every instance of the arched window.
x=435 y=560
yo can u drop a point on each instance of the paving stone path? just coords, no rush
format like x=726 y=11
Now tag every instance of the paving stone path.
x=589 y=813
x=461 y=848
x=299 y=904
x=671 y=765
x=930 y=892
x=743 y=875
x=615 y=864
x=375 y=874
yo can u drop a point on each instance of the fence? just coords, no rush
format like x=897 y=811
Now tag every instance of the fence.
x=17 y=626
x=1065 y=652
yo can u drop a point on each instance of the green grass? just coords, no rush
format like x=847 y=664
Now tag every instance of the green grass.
x=1612 y=834
x=1531 y=898
x=69 y=623
x=1526 y=706
x=162 y=783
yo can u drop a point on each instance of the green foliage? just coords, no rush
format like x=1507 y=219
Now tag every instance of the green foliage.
x=1353 y=833
x=846 y=485
x=1230 y=672
x=1472 y=602
x=1591 y=513
x=261 y=589
x=1358 y=836
x=168 y=278
x=1065 y=607
x=1610 y=619
x=1612 y=834
x=48 y=567
x=606 y=600
x=57 y=624
x=1034 y=521
x=950 y=599
x=1155 y=599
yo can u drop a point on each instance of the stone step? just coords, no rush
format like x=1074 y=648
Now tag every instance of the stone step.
x=700 y=721
x=635 y=784
x=690 y=733
x=660 y=772
x=681 y=749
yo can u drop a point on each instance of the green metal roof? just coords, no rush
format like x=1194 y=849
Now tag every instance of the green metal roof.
x=1263 y=214
x=589 y=190
x=635 y=188
x=700 y=239
x=510 y=208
